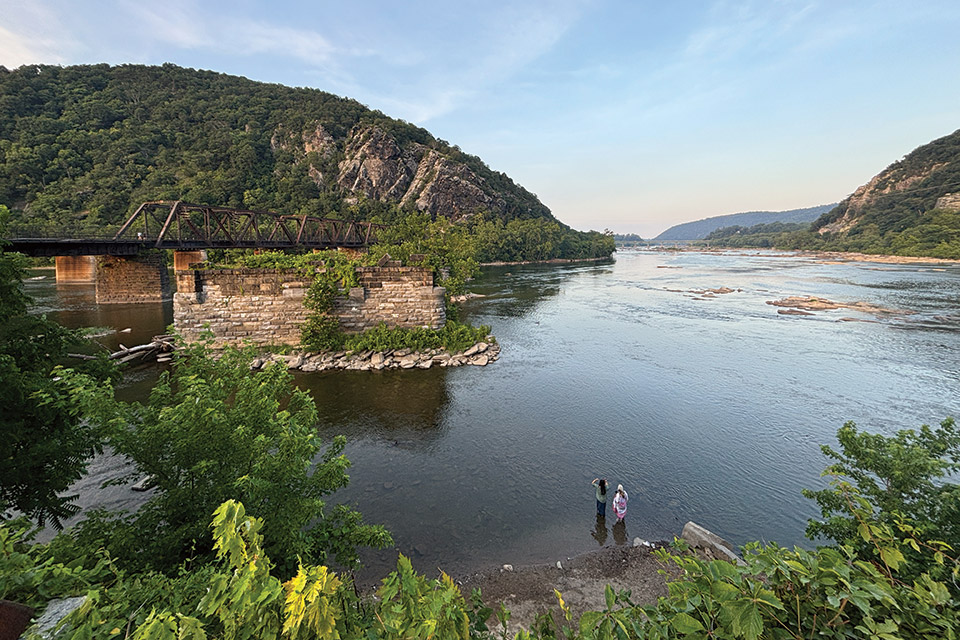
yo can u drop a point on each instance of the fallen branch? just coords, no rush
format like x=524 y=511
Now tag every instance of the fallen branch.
x=160 y=345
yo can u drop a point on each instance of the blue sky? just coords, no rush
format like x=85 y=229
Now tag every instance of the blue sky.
x=631 y=116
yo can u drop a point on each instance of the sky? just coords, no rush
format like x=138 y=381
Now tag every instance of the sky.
x=629 y=116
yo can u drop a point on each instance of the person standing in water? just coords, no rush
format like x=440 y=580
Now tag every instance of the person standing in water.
x=620 y=503
x=601 y=485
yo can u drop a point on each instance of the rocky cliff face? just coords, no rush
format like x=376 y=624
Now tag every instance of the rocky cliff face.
x=375 y=165
x=892 y=180
x=895 y=197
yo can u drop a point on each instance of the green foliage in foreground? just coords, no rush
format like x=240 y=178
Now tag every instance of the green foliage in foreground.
x=872 y=586
x=211 y=431
x=45 y=441
x=901 y=481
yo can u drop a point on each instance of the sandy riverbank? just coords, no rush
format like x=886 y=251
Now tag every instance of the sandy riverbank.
x=839 y=256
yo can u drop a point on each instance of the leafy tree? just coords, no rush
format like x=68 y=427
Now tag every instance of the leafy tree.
x=903 y=481
x=211 y=431
x=46 y=442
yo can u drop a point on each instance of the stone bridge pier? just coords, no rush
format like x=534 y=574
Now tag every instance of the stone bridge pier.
x=183 y=259
x=125 y=280
x=76 y=269
x=141 y=278
x=265 y=306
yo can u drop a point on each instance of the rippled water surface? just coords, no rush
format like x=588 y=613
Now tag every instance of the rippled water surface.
x=706 y=409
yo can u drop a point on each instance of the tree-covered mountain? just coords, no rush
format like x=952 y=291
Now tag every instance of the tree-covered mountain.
x=911 y=208
x=82 y=146
x=700 y=229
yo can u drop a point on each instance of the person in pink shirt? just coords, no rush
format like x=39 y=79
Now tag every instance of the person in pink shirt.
x=620 y=503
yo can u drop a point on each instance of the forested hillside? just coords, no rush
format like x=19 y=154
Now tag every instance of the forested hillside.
x=82 y=146
x=699 y=229
x=911 y=208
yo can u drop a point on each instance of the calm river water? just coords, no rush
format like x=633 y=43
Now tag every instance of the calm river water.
x=710 y=410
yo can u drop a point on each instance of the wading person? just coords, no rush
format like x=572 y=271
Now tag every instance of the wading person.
x=601 y=485
x=620 y=503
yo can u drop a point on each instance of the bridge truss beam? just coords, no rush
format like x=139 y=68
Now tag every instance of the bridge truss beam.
x=185 y=226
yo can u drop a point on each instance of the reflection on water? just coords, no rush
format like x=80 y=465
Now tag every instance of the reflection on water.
x=704 y=409
x=401 y=410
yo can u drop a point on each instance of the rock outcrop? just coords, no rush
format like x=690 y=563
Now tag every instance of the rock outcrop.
x=897 y=197
x=376 y=166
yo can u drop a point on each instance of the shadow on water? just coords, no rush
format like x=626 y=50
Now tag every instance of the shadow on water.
x=401 y=408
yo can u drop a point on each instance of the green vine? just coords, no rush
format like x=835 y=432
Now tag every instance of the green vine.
x=321 y=331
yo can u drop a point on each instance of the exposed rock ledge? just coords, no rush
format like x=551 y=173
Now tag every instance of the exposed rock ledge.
x=478 y=355
x=802 y=305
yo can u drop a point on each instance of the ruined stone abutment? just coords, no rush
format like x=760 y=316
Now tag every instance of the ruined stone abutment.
x=265 y=306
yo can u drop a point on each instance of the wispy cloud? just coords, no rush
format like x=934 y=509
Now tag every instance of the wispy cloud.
x=32 y=34
x=186 y=25
x=504 y=40
x=418 y=75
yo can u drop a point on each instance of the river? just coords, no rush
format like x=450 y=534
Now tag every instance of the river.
x=705 y=409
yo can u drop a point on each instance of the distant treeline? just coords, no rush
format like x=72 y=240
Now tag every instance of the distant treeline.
x=937 y=236
x=626 y=239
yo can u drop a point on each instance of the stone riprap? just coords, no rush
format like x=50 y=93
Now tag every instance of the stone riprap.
x=265 y=306
x=478 y=355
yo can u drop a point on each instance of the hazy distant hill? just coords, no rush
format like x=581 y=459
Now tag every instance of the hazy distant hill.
x=699 y=229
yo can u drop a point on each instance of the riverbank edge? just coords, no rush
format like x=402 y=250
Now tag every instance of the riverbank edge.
x=550 y=261
x=842 y=256
x=529 y=590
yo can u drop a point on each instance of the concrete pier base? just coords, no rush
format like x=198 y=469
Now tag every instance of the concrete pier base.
x=143 y=278
x=183 y=259
x=76 y=269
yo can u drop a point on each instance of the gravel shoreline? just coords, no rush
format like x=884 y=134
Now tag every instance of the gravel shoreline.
x=529 y=590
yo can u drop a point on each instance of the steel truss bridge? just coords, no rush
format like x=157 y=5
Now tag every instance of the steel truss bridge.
x=182 y=226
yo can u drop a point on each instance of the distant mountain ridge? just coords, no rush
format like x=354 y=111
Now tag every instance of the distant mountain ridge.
x=700 y=229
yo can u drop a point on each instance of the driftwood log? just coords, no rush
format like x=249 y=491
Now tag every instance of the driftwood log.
x=158 y=348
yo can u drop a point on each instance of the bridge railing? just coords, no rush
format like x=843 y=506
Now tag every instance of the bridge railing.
x=58 y=231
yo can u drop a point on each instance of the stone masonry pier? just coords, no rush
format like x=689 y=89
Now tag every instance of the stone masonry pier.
x=133 y=279
x=126 y=279
x=265 y=306
x=76 y=268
